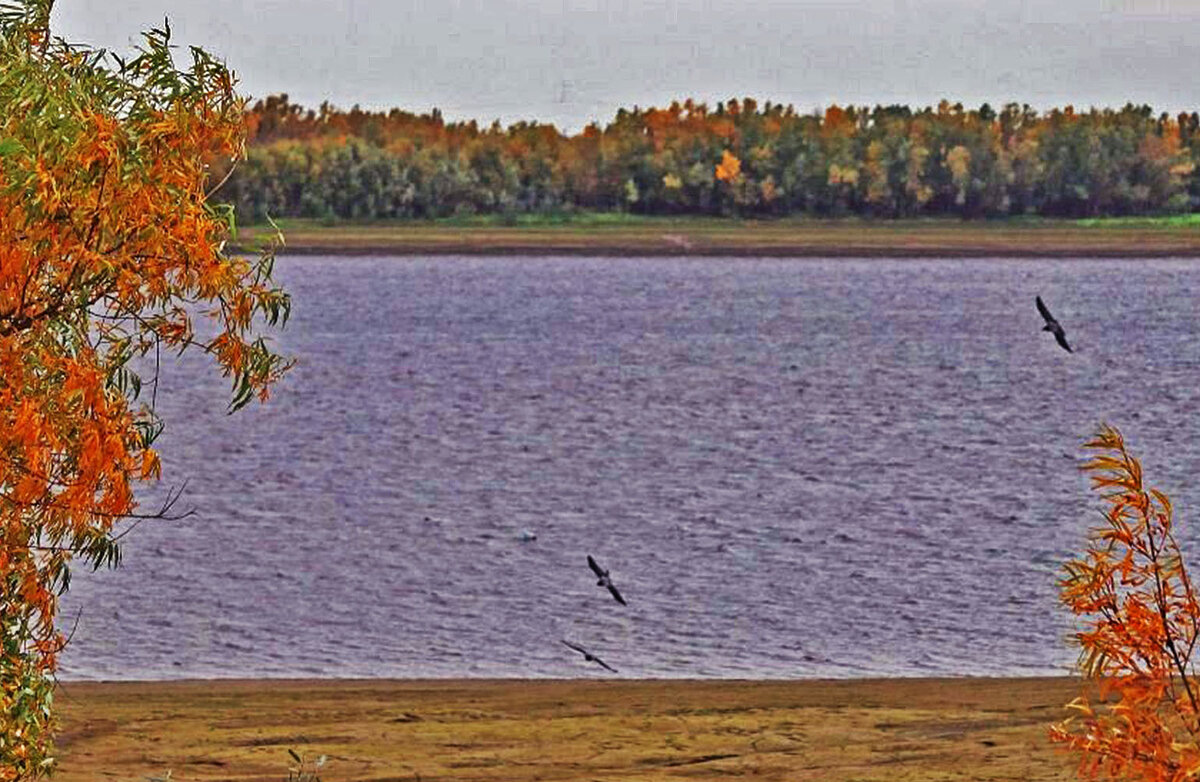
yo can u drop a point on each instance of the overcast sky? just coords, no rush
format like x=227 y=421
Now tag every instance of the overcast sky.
x=572 y=61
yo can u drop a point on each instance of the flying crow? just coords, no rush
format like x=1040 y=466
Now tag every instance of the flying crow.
x=1053 y=326
x=605 y=581
x=591 y=658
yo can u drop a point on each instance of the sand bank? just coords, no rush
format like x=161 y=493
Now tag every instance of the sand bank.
x=863 y=730
x=729 y=237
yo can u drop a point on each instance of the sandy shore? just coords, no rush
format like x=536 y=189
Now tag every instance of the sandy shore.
x=717 y=237
x=863 y=730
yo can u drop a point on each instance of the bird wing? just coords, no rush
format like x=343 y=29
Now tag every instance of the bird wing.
x=1061 y=336
x=595 y=568
x=616 y=595
x=1045 y=312
x=606 y=665
x=579 y=649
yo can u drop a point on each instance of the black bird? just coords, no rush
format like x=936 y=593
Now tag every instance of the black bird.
x=1053 y=326
x=591 y=658
x=605 y=581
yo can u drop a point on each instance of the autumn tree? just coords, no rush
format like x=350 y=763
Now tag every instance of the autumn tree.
x=109 y=251
x=886 y=161
x=1140 y=625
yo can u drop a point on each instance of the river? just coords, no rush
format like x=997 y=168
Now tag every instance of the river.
x=791 y=468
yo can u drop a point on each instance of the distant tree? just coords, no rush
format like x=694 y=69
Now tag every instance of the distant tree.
x=890 y=161
x=729 y=168
x=1141 y=623
x=109 y=249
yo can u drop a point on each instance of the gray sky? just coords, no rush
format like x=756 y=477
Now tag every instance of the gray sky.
x=571 y=61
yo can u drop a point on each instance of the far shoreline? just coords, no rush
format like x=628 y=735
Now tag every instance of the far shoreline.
x=628 y=236
x=745 y=251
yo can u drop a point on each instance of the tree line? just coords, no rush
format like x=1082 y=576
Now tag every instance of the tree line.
x=735 y=158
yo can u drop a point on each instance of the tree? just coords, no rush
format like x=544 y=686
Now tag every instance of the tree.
x=1141 y=624
x=890 y=161
x=109 y=251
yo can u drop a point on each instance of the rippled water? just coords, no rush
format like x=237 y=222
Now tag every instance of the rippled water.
x=792 y=467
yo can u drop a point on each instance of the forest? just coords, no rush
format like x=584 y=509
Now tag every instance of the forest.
x=736 y=158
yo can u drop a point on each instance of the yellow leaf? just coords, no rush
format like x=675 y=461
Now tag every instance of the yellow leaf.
x=729 y=167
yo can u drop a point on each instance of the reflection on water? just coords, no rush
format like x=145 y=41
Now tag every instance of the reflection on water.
x=791 y=467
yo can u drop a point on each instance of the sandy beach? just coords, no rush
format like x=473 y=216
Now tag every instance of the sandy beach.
x=862 y=730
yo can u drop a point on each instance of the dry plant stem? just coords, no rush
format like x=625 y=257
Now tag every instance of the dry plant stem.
x=1176 y=658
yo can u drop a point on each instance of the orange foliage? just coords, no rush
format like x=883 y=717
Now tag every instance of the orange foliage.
x=729 y=167
x=107 y=241
x=835 y=117
x=1141 y=624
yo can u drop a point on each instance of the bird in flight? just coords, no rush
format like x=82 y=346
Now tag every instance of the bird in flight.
x=591 y=658
x=605 y=580
x=1053 y=326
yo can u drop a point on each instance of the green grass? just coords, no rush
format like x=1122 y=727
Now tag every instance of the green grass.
x=1164 y=221
x=589 y=219
x=536 y=220
x=521 y=220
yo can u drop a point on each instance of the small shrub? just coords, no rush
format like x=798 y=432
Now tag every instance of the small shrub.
x=1141 y=621
x=304 y=770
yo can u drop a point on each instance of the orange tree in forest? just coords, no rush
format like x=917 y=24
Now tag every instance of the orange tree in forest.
x=1140 y=628
x=108 y=251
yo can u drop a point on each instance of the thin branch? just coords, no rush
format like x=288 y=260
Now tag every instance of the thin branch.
x=221 y=184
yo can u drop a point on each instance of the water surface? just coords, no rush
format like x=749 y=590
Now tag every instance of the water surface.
x=793 y=468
